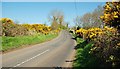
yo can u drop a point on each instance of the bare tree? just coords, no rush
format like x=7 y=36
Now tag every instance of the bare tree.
x=77 y=21
x=86 y=20
x=96 y=16
x=90 y=19
x=56 y=18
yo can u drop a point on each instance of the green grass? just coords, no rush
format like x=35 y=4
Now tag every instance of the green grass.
x=83 y=58
x=19 y=41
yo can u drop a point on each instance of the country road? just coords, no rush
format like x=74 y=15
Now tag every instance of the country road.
x=48 y=54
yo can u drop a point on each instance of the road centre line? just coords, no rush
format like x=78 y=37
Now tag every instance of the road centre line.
x=31 y=58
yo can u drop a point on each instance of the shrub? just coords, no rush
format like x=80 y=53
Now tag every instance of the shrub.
x=111 y=15
x=107 y=49
x=9 y=28
x=92 y=33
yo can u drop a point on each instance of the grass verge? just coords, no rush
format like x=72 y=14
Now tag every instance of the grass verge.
x=19 y=41
x=83 y=58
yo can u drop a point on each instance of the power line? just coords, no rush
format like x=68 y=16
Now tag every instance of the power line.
x=75 y=2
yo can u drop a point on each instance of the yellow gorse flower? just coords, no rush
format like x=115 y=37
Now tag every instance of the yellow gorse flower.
x=94 y=32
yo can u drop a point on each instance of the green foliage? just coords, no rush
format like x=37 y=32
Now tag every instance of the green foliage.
x=62 y=27
x=16 y=35
x=83 y=57
x=105 y=47
x=105 y=51
x=18 y=41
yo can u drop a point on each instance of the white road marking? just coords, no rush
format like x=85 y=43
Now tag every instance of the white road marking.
x=30 y=58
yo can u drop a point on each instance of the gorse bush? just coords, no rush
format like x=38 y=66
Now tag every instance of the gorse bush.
x=6 y=20
x=106 y=44
x=20 y=35
x=107 y=49
x=111 y=15
x=38 y=28
x=106 y=40
x=93 y=33
x=9 y=28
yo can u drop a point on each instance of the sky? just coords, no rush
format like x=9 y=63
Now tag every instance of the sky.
x=38 y=12
x=56 y=0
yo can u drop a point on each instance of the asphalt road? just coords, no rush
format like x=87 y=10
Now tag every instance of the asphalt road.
x=48 y=54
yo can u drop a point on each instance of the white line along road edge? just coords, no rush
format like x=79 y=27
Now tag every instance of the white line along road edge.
x=31 y=58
